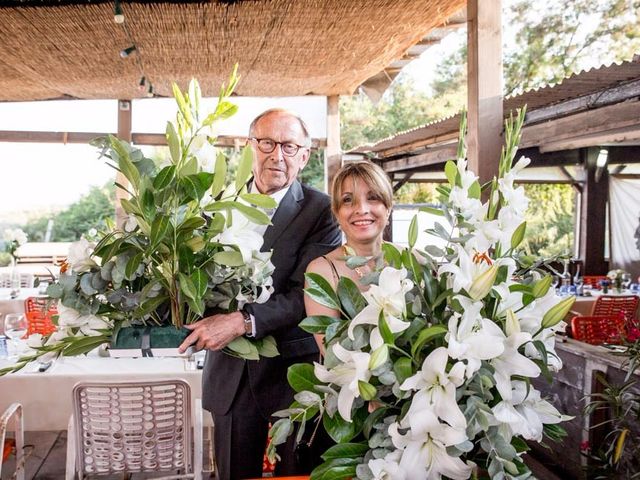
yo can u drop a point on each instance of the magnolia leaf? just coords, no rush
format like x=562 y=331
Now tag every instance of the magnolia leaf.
x=199 y=279
x=252 y=213
x=451 y=172
x=413 y=231
x=244 y=167
x=392 y=255
x=174 y=143
x=159 y=229
x=259 y=199
x=320 y=290
x=183 y=105
x=195 y=94
x=267 y=347
x=427 y=335
x=301 y=377
x=518 y=235
x=433 y=211
x=317 y=323
x=226 y=109
x=350 y=297
x=190 y=167
x=230 y=258
x=190 y=224
x=342 y=431
x=346 y=450
x=402 y=369
x=335 y=469
x=132 y=266
x=219 y=175
x=187 y=287
x=125 y=165
x=244 y=348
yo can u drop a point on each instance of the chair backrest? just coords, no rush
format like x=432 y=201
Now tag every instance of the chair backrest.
x=5 y=280
x=125 y=427
x=613 y=305
x=594 y=280
x=26 y=280
x=39 y=312
x=14 y=412
x=597 y=330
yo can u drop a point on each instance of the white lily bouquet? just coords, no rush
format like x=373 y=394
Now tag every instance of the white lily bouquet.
x=427 y=373
x=13 y=238
x=189 y=245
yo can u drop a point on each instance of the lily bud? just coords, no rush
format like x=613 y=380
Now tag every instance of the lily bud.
x=378 y=357
x=482 y=284
x=541 y=287
x=512 y=324
x=367 y=391
x=557 y=313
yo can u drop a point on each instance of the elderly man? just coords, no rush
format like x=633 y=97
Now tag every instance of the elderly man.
x=242 y=395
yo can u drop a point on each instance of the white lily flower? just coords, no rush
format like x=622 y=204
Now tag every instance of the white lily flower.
x=387 y=468
x=241 y=234
x=88 y=324
x=35 y=340
x=437 y=388
x=472 y=337
x=424 y=445
x=79 y=257
x=354 y=367
x=511 y=362
x=387 y=297
x=204 y=152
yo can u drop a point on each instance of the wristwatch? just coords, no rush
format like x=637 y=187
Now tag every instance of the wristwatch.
x=248 y=324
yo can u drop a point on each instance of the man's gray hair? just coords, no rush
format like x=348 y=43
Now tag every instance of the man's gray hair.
x=283 y=111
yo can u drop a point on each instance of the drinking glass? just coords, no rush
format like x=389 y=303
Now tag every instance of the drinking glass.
x=15 y=327
x=626 y=281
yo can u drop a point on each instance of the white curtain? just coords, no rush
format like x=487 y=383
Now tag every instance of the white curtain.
x=624 y=208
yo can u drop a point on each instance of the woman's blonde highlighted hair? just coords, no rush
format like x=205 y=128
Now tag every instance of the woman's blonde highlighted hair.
x=369 y=173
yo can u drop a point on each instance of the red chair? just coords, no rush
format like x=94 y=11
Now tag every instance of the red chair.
x=597 y=330
x=39 y=312
x=614 y=305
x=594 y=280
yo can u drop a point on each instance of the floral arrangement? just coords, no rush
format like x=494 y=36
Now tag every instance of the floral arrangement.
x=13 y=238
x=618 y=277
x=427 y=374
x=188 y=244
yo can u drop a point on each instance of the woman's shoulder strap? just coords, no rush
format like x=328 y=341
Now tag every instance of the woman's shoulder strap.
x=336 y=276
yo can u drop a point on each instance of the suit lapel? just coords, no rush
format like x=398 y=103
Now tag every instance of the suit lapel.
x=286 y=212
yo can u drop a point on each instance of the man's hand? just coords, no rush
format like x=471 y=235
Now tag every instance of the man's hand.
x=215 y=332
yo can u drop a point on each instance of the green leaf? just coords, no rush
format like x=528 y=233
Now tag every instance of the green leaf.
x=346 y=450
x=129 y=207
x=367 y=391
x=244 y=167
x=413 y=231
x=342 y=431
x=385 y=331
x=402 y=369
x=518 y=235
x=335 y=469
x=132 y=266
x=320 y=290
x=197 y=184
x=317 y=323
x=433 y=211
x=190 y=224
x=200 y=279
x=84 y=345
x=244 y=348
x=125 y=164
x=259 y=199
x=350 y=297
x=230 y=258
x=267 y=347
x=219 y=175
x=159 y=229
x=451 y=172
x=182 y=105
x=426 y=335
x=174 y=143
x=474 y=190
x=301 y=377
x=252 y=213
x=392 y=255
x=187 y=287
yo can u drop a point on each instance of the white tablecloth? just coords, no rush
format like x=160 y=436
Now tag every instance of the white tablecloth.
x=46 y=397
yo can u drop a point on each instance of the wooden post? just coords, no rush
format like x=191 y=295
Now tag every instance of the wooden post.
x=333 y=153
x=484 y=69
x=124 y=133
x=593 y=214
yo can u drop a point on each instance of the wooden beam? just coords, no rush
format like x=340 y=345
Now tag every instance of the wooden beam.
x=484 y=79
x=333 y=153
x=49 y=137
x=613 y=136
x=591 y=122
x=432 y=156
x=124 y=133
x=413 y=146
x=593 y=214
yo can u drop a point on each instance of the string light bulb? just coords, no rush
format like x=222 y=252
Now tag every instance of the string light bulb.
x=127 y=51
x=150 y=93
x=118 y=15
x=142 y=83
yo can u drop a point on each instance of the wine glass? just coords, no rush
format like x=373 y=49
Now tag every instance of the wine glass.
x=626 y=281
x=15 y=327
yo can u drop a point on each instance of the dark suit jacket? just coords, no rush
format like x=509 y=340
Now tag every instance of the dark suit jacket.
x=302 y=229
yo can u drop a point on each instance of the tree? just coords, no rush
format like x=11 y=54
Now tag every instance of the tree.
x=90 y=211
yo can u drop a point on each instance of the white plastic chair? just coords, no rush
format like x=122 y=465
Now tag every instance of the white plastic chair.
x=130 y=427
x=14 y=412
x=26 y=280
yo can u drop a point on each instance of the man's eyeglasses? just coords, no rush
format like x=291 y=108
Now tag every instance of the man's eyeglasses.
x=266 y=145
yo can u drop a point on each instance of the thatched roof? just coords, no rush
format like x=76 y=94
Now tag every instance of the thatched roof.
x=66 y=49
